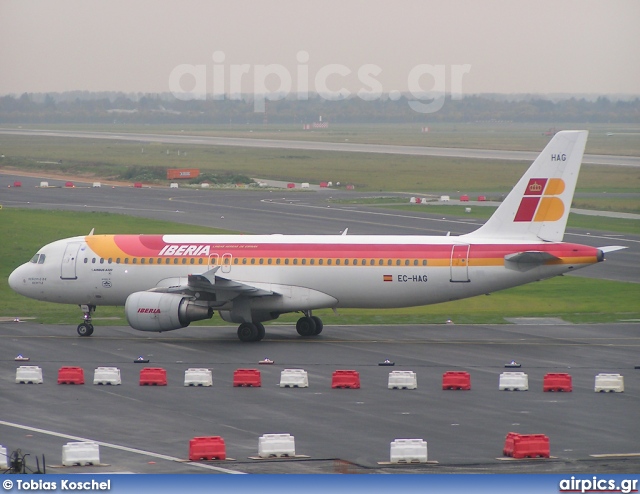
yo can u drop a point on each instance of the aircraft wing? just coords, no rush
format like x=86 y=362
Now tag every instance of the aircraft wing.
x=217 y=287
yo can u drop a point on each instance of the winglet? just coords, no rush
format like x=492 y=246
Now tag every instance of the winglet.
x=538 y=206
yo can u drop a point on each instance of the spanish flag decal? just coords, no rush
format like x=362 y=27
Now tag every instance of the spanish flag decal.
x=387 y=277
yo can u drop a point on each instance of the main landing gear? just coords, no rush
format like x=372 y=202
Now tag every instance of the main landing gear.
x=308 y=325
x=86 y=328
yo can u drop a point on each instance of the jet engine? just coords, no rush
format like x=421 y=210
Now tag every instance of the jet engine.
x=150 y=311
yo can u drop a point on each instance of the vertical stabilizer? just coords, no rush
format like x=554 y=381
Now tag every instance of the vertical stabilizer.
x=538 y=206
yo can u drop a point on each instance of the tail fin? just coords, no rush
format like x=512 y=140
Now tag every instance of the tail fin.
x=538 y=206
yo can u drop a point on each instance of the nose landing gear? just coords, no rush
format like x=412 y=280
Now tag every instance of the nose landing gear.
x=86 y=328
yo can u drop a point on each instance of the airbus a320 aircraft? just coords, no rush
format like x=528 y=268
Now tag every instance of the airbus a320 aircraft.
x=166 y=282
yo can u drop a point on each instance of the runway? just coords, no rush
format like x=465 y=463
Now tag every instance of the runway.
x=146 y=429
x=285 y=212
x=320 y=146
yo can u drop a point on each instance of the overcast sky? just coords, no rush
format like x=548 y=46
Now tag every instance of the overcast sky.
x=487 y=46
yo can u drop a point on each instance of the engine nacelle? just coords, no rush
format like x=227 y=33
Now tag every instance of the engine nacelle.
x=150 y=311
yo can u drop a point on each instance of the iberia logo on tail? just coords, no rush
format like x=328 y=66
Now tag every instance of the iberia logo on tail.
x=541 y=201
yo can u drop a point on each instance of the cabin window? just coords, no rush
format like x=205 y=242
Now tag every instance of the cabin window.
x=134 y=260
x=184 y=260
x=150 y=260
x=175 y=260
x=35 y=258
x=142 y=260
x=244 y=260
x=381 y=262
x=355 y=262
x=109 y=261
x=337 y=262
x=192 y=261
x=311 y=261
x=371 y=262
x=286 y=261
x=200 y=261
x=406 y=262
x=346 y=262
x=93 y=260
x=277 y=261
x=261 y=261
x=226 y=260
x=86 y=260
x=269 y=261
x=126 y=260
x=415 y=262
x=101 y=260
x=117 y=260
x=320 y=261
x=389 y=262
x=253 y=261
x=167 y=261
x=424 y=262
x=304 y=261
x=398 y=262
x=235 y=261
x=295 y=261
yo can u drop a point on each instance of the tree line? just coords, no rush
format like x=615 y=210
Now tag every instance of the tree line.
x=135 y=108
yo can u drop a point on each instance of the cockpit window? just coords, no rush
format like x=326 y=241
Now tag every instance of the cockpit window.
x=38 y=259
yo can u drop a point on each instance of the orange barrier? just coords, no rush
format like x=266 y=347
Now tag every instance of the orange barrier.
x=526 y=445
x=71 y=375
x=557 y=382
x=345 y=379
x=456 y=380
x=153 y=376
x=207 y=448
x=247 y=377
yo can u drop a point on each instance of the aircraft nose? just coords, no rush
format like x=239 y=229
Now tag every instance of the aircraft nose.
x=16 y=280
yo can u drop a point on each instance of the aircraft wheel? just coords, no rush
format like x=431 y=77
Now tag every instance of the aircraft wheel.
x=306 y=326
x=261 y=331
x=85 y=329
x=248 y=332
x=319 y=324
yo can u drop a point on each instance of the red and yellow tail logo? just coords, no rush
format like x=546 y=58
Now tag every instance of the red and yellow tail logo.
x=540 y=201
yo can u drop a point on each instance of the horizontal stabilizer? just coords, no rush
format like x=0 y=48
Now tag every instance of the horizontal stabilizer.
x=530 y=257
x=612 y=248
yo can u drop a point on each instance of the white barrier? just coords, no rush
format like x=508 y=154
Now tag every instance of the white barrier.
x=4 y=459
x=107 y=375
x=276 y=445
x=609 y=382
x=445 y=198
x=44 y=184
x=408 y=451
x=515 y=381
x=412 y=200
x=80 y=453
x=402 y=380
x=294 y=378
x=29 y=374
x=173 y=185
x=198 y=377
x=96 y=185
x=304 y=185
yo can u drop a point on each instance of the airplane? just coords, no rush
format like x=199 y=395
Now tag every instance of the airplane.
x=165 y=282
